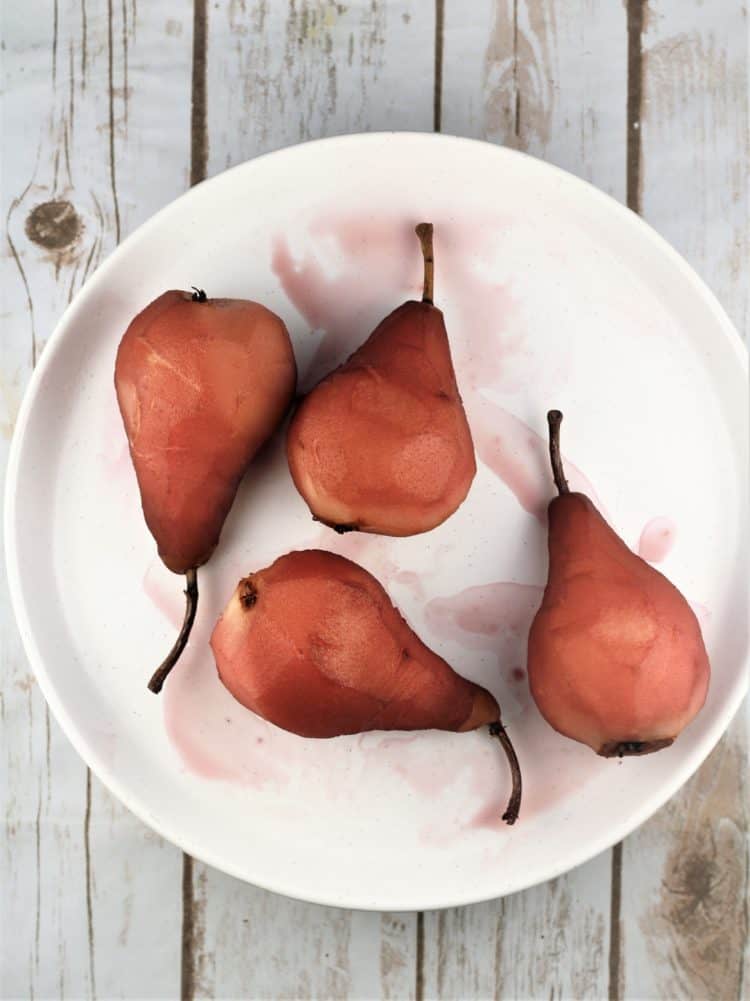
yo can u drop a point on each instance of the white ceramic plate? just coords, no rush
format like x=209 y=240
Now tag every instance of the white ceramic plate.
x=554 y=295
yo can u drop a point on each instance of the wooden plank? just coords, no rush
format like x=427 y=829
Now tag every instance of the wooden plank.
x=694 y=136
x=685 y=919
x=548 y=79
x=79 y=130
x=152 y=47
x=543 y=76
x=250 y=943
x=277 y=74
x=280 y=74
x=549 y=941
x=44 y=866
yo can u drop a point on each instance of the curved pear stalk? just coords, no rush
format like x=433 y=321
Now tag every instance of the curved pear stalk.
x=191 y=606
x=514 y=803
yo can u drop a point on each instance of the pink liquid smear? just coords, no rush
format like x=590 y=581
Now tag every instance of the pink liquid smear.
x=494 y=618
x=657 y=539
x=476 y=616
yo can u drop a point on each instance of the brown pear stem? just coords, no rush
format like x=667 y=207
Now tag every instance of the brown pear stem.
x=191 y=605
x=554 y=419
x=514 y=803
x=199 y=294
x=424 y=232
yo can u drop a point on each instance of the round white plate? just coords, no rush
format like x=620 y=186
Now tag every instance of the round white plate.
x=554 y=295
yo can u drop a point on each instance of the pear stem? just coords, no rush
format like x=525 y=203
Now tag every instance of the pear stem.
x=514 y=803
x=191 y=605
x=554 y=420
x=199 y=294
x=424 y=232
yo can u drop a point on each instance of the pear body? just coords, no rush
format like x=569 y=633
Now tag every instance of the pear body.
x=314 y=645
x=616 y=658
x=201 y=386
x=382 y=444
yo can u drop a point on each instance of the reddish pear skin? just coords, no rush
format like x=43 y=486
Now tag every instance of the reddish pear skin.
x=382 y=443
x=202 y=384
x=313 y=645
x=616 y=659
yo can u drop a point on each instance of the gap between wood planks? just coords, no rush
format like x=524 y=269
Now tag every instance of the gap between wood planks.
x=635 y=12
x=198 y=171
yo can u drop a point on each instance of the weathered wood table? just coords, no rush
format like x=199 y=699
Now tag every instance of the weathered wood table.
x=111 y=108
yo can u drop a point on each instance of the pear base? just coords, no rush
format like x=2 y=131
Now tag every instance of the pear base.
x=630 y=748
x=338 y=528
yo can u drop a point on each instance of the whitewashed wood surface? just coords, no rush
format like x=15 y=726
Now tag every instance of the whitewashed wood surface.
x=111 y=108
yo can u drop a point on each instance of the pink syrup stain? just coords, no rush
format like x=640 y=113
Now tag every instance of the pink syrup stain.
x=478 y=616
x=415 y=758
x=657 y=539
x=494 y=619
x=486 y=307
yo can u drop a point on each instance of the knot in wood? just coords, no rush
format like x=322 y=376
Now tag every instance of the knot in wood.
x=54 y=225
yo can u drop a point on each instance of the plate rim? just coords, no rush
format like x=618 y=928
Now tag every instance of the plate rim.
x=356 y=901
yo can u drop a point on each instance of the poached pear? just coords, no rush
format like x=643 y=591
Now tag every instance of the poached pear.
x=382 y=443
x=201 y=384
x=616 y=658
x=313 y=645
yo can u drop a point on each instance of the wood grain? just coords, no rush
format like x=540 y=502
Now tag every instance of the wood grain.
x=250 y=943
x=280 y=74
x=548 y=79
x=134 y=874
x=685 y=873
x=86 y=886
x=543 y=76
x=551 y=940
